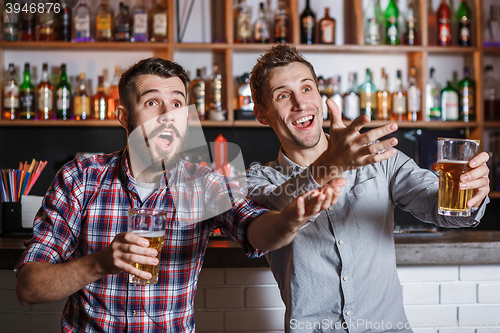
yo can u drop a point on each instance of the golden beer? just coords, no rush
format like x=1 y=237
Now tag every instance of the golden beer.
x=156 y=240
x=451 y=199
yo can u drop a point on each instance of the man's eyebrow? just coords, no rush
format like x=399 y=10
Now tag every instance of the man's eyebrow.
x=151 y=91
x=178 y=92
x=283 y=86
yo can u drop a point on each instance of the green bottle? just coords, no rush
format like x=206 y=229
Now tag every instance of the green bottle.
x=27 y=95
x=449 y=103
x=464 y=15
x=391 y=24
x=63 y=96
x=467 y=97
x=368 y=97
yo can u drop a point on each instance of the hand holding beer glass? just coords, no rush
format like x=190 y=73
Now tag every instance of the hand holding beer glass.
x=454 y=156
x=148 y=223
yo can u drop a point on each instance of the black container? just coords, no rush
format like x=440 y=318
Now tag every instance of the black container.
x=11 y=223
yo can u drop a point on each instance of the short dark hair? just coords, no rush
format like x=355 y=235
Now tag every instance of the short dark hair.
x=154 y=66
x=279 y=55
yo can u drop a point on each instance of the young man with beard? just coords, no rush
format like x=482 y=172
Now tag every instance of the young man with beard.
x=81 y=248
x=340 y=270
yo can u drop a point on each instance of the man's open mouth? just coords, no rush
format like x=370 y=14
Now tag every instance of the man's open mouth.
x=304 y=122
x=165 y=139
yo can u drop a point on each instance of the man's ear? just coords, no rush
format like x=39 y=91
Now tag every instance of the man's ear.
x=260 y=113
x=122 y=115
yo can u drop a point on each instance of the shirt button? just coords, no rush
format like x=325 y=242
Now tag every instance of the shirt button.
x=330 y=208
x=134 y=313
x=341 y=242
x=344 y=278
x=348 y=313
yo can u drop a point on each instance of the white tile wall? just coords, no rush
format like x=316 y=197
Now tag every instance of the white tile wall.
x=421 y=293
x=458 y=292
x=488 y=293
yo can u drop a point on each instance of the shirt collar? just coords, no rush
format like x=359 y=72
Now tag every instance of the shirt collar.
x=288 y=166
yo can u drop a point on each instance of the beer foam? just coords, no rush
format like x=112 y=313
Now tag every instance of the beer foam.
x=454 y=162
x=151 y=234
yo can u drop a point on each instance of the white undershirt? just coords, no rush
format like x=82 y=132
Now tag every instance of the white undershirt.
x=145 y=189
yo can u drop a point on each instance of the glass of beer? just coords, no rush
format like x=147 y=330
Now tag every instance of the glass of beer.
x=454 y=156
x=148 y=223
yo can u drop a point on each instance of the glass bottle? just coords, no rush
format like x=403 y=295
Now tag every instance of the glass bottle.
x=122 y=24
x=139 y=23
x=391 y=24
x=64 y=23
x=491 y=95
x=114 y=95
x=410 y=36
x=11 y=95
x=63 y=96
x=432 y=98
x=81 y=101
x=159 y=22
x=334 y=92
x=104 y=22
x=47 y=26
x=307 y=25
x=467 y=95
x=372 y=24
x=414 y=97
x=81 y=22
x=464 y=14
x=100 y=101
x=242 y=22
x=368 y=97
x=384 y=98
x=215 y=95
x=45 y=95
x=28 y=22
x=10 y=26
x=281 y=23
x=327 y=28
x=351 y=98
x=444 y=24
x=324 y=96
x=198 y=94
x=449 y=103
x=493 y=28
x=399 y=100
x=245 y=102
x=27 y=95
x=261 y=30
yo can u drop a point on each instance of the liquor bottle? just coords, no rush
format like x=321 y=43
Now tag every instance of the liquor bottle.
x=399 y=100
x=307 y=25
x=281 y=23
x=410 y=36
x=104 y=22
x=261 y=30
x=81 y=101
x=10 y=26
x=245 y=103
x=114 y=96
x=491 y=95
x=464 y=17
x=27 y=95
x=215 y=95
x=45 y=95
x=444 y=24
x=100 y=101
x=372 y=24
x=28 y=22
x=81 y=22
x=432 y=98
x=139 y=23
x=242 y=22
x=324 y=96
x=63 y=96
x=11 y=95
x=122 y=24
x=449 y=103
x=64 y=23
x=493 y=28
x=198 y=94
x=368 y=97
x=384 y=98
x=334 y=92
x=391 y=24
x=47 y=23
x=351 y=98
x=159 y=22
x=327 y=28
x=467 y=94
x=414 y=97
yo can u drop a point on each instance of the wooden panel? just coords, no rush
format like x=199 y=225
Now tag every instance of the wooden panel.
x=358 y=23
x=295 y=20
x=229 y=86
x=424 y=31
x=229 y=22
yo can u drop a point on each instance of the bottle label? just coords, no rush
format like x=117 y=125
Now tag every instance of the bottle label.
x=217 y=91
x=414 y=99
x=26 y=101
x=82 y=25
x=444 y=30
x=308 y=23
x=243 y=27
x=327 y=32
x=11 y=97
x=45 y=99
x=281 y=26
x=140 y=23
x=103 y=26
x=351 y=106
x=160 y=24
x=63 y=99
x=82 y=107
x=450 y=105
x=399 y=104
x=199 y=98
x=467 y=99
x=261 y=32
x=464 y=33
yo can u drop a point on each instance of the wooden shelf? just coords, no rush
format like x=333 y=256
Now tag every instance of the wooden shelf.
x=491 y=49
x=94 y=123
x=90 y=46
x=491 y=124
x=494 y=195
x=416 y=124
x=451 y=49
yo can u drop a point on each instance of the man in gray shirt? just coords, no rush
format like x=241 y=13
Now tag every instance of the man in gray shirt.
x=339 y=272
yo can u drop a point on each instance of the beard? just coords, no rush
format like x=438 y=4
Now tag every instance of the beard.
x=305 y=143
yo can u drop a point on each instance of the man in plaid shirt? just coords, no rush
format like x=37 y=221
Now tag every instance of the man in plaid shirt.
x=81 y=248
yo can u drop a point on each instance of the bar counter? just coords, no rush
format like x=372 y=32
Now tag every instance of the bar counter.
x=443 y=248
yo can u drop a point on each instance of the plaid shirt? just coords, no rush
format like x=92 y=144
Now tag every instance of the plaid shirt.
x=87 y=206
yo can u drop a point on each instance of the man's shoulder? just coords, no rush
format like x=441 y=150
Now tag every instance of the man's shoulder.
x=94 y=163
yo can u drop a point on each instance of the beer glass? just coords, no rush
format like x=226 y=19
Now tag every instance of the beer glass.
x=453 y=160
x=148 y=223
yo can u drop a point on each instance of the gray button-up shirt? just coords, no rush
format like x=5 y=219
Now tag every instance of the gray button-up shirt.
x=339 y=273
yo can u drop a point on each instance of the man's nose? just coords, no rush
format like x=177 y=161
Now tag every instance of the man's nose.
x=299 y=102
x=166 y=116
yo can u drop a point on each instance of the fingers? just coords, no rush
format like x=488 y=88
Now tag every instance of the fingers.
x=477 y=173
x=478 y=198
x=376 y=152
x=379 y=132
x=479 y=159
x=335 y=114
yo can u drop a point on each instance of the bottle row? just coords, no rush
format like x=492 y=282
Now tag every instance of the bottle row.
x=494 y=149
x=403 y=104
x=141 y=24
